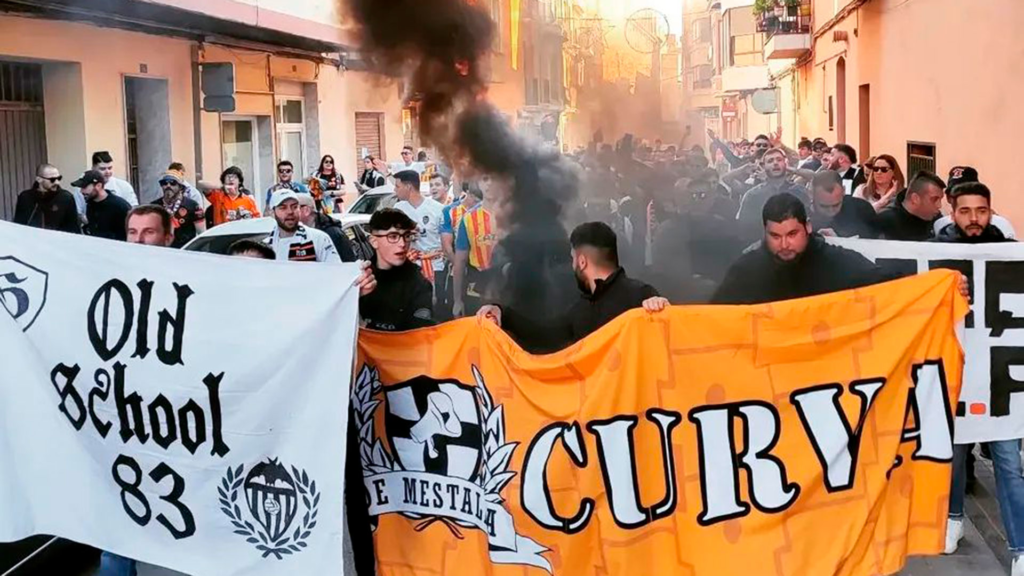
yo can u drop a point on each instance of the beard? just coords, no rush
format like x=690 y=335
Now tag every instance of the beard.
x=581 y=281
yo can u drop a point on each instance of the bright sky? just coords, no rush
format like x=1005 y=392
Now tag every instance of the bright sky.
x=618 y=10
x=620 y=60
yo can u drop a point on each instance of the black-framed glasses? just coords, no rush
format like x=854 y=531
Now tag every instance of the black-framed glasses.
x=54 y=179
x=166 y=183
x=881 y=169
x=394 y=237
x=284 y=171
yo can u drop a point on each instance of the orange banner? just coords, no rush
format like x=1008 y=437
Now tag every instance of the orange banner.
x=807 y=437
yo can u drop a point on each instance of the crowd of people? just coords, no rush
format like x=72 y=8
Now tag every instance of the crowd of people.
x=745 y=225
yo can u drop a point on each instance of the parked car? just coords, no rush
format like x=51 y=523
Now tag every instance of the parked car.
x=218 y=239
x=373 y=200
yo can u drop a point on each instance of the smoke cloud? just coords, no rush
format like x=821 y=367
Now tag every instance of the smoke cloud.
x=440 y=48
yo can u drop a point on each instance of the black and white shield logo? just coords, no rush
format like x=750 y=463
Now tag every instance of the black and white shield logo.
x=23 y=290
x=434 y=427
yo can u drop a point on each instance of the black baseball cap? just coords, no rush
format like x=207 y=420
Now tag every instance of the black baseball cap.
x=89 y=178
x=959 y=175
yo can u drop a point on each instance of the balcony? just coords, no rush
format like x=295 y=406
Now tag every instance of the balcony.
x=743 y=78
x=787 y=30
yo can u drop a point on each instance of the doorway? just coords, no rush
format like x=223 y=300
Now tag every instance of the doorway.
x=291 y=133
x=865 y=121
x=841 y=100
x=240 y=143
x=22 y=130
x=148 y=128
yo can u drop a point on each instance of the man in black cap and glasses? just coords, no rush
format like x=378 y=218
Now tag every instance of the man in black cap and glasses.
x=46 y=205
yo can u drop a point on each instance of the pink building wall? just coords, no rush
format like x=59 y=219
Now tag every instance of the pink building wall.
x=947 y=72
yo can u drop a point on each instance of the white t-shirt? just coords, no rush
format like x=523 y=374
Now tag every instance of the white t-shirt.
x=418 y=167
x=122 y=189
x=998 y=221
x=306 y=245
x=428 y=217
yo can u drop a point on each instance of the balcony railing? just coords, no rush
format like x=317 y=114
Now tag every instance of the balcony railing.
x=785 y=20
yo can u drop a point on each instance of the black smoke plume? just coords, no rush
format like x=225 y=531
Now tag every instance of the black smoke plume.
x=440 y=48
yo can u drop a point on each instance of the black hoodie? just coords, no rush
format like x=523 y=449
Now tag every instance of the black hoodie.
x=402 y=300
x=757 y=276
x=53 y=211
x=952 y=233
x=895 y=223
x=611 y=297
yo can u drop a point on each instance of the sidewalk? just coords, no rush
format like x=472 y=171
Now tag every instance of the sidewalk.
x=974 y=558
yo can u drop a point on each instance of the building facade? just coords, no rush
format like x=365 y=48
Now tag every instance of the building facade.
x=930 y=83
x=702 y=66
x=76 y=78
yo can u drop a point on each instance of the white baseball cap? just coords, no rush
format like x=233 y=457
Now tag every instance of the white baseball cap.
x=280 y=196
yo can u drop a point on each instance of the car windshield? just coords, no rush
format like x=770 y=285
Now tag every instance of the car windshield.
x=215 y=244
x=370 y=203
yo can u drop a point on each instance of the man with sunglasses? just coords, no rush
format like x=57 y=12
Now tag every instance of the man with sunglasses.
x=403 y=299
x=46 y=205
x=286 y=180
x=188 y=219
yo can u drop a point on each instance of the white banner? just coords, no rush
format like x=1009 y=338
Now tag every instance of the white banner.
x=182 y=409
x=991 y=403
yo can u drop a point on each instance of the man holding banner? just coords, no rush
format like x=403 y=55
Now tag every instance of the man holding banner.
x=792 y=261
x=972 y=224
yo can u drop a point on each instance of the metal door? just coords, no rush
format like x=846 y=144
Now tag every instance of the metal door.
x=22 y=130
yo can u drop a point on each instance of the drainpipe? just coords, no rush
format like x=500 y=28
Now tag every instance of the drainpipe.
x=197 y=114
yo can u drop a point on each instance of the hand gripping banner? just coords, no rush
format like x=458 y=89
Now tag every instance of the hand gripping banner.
x=810 y=436
x=991 y=405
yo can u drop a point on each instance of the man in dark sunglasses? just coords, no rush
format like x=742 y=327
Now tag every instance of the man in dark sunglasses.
x=46 y=205
x=286 y=180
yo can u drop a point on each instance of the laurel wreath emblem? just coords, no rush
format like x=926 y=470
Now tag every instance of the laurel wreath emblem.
x=232 y=482
x=497 y=453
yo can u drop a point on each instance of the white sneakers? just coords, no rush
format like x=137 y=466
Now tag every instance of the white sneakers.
x=955 y=532
x=1018 y=566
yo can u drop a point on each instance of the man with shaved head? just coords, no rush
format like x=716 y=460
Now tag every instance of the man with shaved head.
x=46 y=205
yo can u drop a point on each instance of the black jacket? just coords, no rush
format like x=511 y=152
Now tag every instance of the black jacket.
x=895 y=223
x=56 y=211
x=952 y=233
x=855 y=174
x=403 y=300
x=856 y=217
x=611 y=297
x=336 y=231
x=758 y=277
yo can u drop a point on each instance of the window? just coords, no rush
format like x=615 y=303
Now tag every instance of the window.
x=701 y=30
x=920 y=156
x=702 y=77
x=747 y=50
x=289 y=115
x=831 y=116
